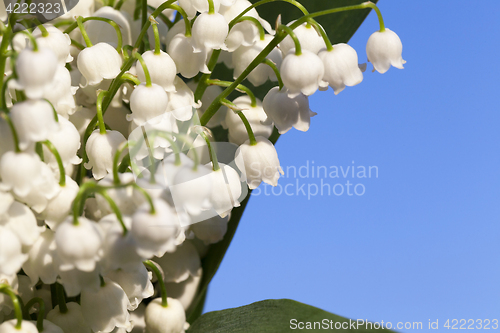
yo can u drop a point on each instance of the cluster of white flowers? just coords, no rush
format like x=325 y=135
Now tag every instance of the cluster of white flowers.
x=107 y=162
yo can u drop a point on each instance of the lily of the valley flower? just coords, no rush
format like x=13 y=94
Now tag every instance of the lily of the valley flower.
x=99 y=62
x=384 y=48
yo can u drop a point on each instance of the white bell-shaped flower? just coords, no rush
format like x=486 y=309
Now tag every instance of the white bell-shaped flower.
x=308 y=37
x=59 y=207
x=148 y=103
x=302 y=73
x=75 y=280
x=20 y=172
x=341 y=67
x=256 y=117
x=287 y=112
x=170 y=319
x=99 y=62
x=41 y=263
x=78 y=245
x=22 y=222
x=60 y=93
x=33 y=120
x=186 y=290
x=57 y=41
x=135 y=282
x=191 y=190
x=187 y=62
x=226 y=189
x=11 y=256
x=155 y=234
x=178 y=266
x=162 y=69
x=181 y=102
x=119 y=250
x=103 y=32
x=193 y=6
x=70 y=321
x=210 y=32
x=35 y=69
x=107 y=308
x=212 y=230
x=259 y=162
x=384 y=48
x=10 y=327
x=244 y=55
x=245 y=32
x=101 y=149
x=67 y=142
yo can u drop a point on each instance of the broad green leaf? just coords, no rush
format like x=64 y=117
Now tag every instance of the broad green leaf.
x=340 y=27
x=276 y=316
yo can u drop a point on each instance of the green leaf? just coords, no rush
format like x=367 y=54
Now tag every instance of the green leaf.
x=275 y=316
x=340 y=27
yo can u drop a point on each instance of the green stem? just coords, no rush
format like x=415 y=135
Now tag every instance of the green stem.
x=144 y=68
x=289 y=31
x=95 y=18
x=4 y=92
x=131 y=78
x=77 y=45
x=79 y=22
x=319 y=28
x=61 y=298
x=119 y=4
x=154 y=24
x=39 y=150
x=31 y=38
x=3 y=59
x=161 y=282
x=100 y=116
x=240 y=87
x=187 y=24
x=79 y=201
x=379 y=14
x=41 y=311
x=211 y=7
x=62 y=173
x=116 y=159
x=152 y=210
x=56 y=116
x=6 y=289
x=276 y=71
x=251 y=135
x=262 y=32
x=44 y=31
x=114 y=208
x=213 y=155
x=6 y=117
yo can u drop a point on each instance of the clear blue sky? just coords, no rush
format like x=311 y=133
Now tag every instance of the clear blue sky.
x=423 y=242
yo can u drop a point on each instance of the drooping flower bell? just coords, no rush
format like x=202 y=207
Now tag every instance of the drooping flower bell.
x=11 y=256
x=148 y=103
x=60 y=93
x=41 y=263
x=187 y=62
x=255 y=115
x=169 y=319
x=98 y=62
x=101 y=149
x=78 y=246
x=34 y=121
x=70 y=321
x=162 y=69
x=59 y=207
x=287 y=112
x=57 y=41
x=67 y=142
x=178 y=266
x=35 y=69
x=341 y=67
x=302 y=73
x=308 y=37
x=259 y=162
x=226 y=189
x=20 y=172
x=10 y=327
x=209 y=32
x=103 y=32
x=384 y=48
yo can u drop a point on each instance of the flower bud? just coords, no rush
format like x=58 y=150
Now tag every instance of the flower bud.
x=148 y=103
x=10 y=327
x=170 y=319
x=384 y=48
x=71 y=321
x=308 y=37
